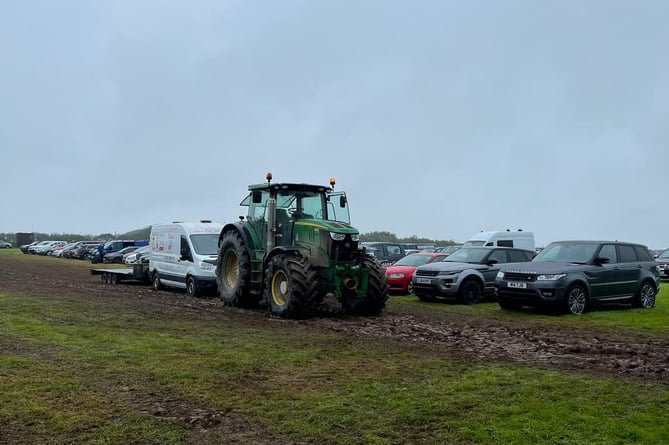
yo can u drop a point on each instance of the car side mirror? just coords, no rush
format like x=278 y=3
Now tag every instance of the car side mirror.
x=602 y=260
x=492 y=261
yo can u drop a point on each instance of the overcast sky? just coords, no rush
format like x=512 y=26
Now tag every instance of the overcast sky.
x=439 y=119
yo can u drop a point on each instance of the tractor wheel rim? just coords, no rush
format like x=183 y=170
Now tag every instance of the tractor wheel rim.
x=279 y=288
x=230 y=270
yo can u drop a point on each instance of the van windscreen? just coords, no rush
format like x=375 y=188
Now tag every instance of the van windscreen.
x=205 y=244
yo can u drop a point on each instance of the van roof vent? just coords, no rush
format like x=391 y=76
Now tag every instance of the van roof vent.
x=205 y=221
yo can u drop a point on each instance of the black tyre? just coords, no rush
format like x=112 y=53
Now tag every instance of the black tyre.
x=105 y=278
x=113 y=278
x=233 y=272
x=377 y=291
x=470 y=292
x=291 y=286
x=645 y=297
x=577 y=300
x=425 y=297
x=191 y=287
x=155 y=281
x=509 y=305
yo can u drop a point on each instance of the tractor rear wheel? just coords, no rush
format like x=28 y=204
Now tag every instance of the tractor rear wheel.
x=291 y=286
x=377 y=291
x=233 y=272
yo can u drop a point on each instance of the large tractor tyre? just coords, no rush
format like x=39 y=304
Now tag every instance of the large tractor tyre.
x=377 y=291
x=291 y=286
x=470 y=292
x=233 y=272
x=645 y=297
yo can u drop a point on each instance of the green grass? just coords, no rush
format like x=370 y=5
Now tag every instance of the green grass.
x=78 y=371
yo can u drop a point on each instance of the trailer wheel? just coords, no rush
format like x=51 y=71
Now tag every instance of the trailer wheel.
x=113 y=278
x=291 y=287
x=155 y=281
x=191 y=287
x=233 y=272
x=377 y=291
x=104 y=278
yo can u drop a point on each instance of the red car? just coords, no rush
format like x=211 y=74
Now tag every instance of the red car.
x=400 y=272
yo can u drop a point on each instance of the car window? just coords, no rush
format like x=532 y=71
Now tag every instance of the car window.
x=499 y=255
x=394 y=250
x=609 y=251
x=516 y=256
x=627 y=254
x=643 y=254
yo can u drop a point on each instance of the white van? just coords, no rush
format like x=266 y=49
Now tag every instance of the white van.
x=183 y=255
x=504 y=238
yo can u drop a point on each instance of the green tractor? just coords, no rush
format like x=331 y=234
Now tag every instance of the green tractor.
x=294 y=248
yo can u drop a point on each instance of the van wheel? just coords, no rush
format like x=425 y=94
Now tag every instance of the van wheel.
x=156 y=281
x=191 y=287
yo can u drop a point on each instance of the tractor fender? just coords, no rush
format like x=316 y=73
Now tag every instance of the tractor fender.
x=282 y=250
x=239 y=228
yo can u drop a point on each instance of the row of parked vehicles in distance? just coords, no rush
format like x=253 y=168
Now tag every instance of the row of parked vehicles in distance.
x=567 y=276
x=117 y=251
x=570 y=276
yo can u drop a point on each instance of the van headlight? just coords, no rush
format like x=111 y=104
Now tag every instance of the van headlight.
x=551 y=276
x=207 y=266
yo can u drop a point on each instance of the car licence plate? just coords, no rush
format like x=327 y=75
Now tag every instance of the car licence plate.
x=517 y=285
x=423 y=280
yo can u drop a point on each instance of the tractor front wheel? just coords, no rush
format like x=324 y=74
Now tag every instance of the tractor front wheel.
x=291 y=287
x=377 y=291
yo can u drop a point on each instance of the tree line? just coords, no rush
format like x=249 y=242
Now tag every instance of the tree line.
x=143 y=234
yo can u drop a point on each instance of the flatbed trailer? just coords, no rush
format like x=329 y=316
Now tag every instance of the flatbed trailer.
x=139 y=272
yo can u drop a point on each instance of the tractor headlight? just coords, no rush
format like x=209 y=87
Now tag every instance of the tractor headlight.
x=355 y=237
x=337 y=236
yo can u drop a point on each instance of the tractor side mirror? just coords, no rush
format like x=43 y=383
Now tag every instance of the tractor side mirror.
x=256 y=196
x=342 y=201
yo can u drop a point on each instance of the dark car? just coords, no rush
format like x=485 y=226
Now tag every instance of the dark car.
x=662 y=260
x=573 y=275
x=117 y=256
x=387 y=253
x=468 y=274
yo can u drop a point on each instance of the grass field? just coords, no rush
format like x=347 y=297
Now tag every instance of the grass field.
x=75 y=371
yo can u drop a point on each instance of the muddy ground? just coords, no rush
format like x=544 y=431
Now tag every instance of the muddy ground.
x=600 y=352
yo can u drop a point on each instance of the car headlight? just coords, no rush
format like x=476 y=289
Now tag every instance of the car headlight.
x=551 y=276
x=337 y=236
x=396 y=275
x=500 y=275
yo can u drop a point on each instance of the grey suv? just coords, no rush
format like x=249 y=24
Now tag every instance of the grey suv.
x=573 y=275
x=467 y=274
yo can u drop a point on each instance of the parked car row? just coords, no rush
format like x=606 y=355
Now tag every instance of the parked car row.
x=568 y=276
